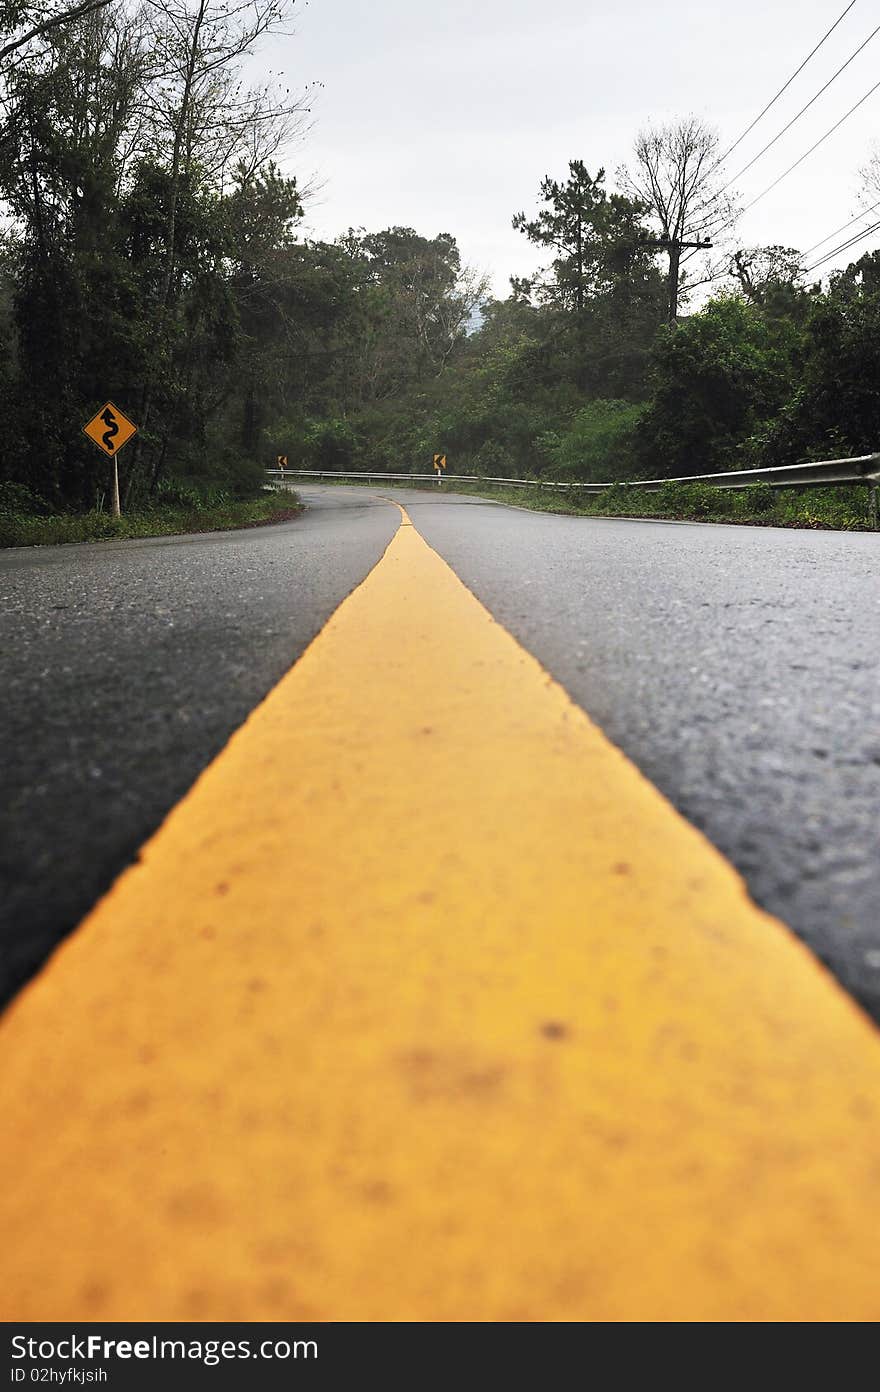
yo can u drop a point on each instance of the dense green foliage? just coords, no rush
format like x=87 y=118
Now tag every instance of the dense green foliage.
x=152 y=255
x=760 y=505
x=173 y=510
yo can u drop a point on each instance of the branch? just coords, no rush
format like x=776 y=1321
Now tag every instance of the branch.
x=78 y=12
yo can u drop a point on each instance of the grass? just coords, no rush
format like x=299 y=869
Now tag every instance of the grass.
x=166 y=519
x=835 y=509
x=830 y=509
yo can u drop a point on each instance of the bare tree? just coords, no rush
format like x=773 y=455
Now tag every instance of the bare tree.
x=870 y=176
x=676 y=176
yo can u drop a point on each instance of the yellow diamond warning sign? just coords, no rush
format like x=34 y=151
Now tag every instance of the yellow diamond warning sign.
x=110 y=429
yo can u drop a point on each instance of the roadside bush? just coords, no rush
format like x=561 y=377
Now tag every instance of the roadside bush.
x=330 y=444
x=17 y=500
x=598 y=445
x=717 y=378
x=182 y=493
x=760 y=497
x=492 y=460
x=695 y=499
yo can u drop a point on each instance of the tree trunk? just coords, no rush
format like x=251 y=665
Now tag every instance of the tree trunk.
x=580 y=264
x=170 y=240
x=159 y=466
x=673 y=280
x=250 y=423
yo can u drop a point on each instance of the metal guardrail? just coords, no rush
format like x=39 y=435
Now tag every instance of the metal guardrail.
x=863 y=468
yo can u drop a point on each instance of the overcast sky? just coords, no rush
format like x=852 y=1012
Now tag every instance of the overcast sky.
x=445 y=116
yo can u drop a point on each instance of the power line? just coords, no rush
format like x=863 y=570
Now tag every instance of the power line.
x=774 y=100
x=791 y=168
x=812 y=100
x=845 y=246
x=837 y=231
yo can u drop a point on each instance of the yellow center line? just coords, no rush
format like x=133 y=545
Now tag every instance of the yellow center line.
x=424 y=1004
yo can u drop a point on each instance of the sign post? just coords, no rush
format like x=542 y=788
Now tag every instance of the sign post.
x=440 y=465
x=110 y=430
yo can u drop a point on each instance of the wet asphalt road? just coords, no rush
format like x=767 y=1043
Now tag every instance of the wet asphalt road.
x=125 y=668
x=739 y=668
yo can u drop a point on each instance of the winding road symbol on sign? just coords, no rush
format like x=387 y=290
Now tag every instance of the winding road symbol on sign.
x=110 y=429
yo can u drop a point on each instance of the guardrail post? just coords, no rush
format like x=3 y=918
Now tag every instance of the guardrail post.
x=872 y=506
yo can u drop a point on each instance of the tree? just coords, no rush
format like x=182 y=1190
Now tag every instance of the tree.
x=417 y=300
x=761 y=271
x=599 y=240
x=569 y=222
x=146 y=226
x=676 y=177
x=203 y=124
x=68 y=109
x=718 y=378
x=834 y=407
x=262 y=214
x=601 y=295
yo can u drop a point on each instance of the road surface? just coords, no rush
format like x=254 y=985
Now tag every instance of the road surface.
x=739 y=668
x=423 y=1002
x=126 y=667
